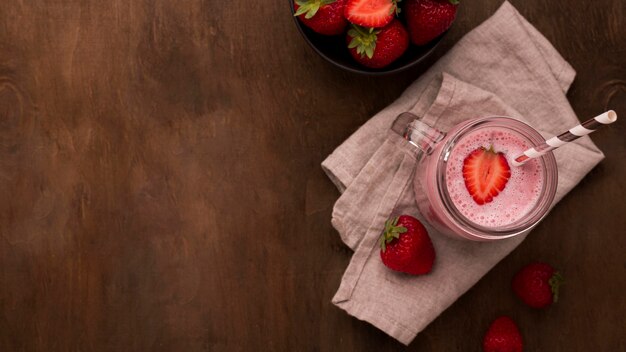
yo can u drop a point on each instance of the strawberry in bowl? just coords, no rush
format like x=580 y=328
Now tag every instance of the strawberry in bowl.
x=376 y=48
x=371 y=13
x=371 y=37
x=428 y=19
x=322 y=16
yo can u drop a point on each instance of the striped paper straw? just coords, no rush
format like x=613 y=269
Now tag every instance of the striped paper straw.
x=574 y=133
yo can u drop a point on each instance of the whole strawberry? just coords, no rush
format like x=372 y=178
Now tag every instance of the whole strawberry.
x=428 y=19
x=537 y=285
x=322 y=16
x=377 y=48
x=503 y=336
x=406 y=247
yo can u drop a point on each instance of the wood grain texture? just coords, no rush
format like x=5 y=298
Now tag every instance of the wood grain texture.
x=160 y=187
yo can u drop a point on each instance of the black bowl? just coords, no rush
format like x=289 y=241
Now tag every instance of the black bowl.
x=334 y=50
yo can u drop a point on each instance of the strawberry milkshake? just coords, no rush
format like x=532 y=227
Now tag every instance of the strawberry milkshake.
x=465 y=184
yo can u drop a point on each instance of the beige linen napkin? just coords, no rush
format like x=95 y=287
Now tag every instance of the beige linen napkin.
x=513 y=71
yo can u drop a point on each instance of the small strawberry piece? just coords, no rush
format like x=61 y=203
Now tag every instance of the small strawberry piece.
x=428 y=19
x=322 y=16
x=406 y=246
x=503 y=336
x=537 y=285
x=485 y=173
x=371 y=13
x=377 y=48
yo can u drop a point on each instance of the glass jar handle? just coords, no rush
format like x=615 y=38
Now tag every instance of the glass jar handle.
x=419 y=134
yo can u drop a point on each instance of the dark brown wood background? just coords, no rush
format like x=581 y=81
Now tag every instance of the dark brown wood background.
x=160 y=187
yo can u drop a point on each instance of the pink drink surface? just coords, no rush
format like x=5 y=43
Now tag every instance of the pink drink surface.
x=521 y=191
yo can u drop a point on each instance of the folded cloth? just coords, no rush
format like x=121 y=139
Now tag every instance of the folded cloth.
x=502 y=67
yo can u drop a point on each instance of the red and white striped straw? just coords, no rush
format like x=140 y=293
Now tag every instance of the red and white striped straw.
x=574 y=133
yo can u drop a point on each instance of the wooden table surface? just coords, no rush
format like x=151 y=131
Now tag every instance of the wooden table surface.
x=161 y=190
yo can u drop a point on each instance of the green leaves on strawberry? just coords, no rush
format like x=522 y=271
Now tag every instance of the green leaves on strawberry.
x=363 y=39
x=309 y=8
x=392 y=231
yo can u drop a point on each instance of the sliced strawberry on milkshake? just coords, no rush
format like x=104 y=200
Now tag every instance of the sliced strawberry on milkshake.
x=485 y=173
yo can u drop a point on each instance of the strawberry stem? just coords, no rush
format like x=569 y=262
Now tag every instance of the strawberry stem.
x=555 y=283
x=363 y=39
x=454 y=2
x=395 y=9
x=392 y=231
x=309 y=8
